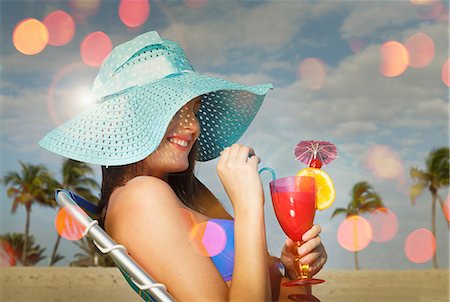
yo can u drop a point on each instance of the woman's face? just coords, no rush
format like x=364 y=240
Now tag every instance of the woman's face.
x=172 y=154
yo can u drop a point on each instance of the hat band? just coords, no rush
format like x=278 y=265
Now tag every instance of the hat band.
x=149 y=70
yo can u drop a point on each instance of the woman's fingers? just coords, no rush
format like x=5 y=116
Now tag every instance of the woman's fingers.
x=243 y=153
x=311 y=257
x=224 y=154
x=254 y=161
x=237 y=153
x=309 y=246
x=314 y=231
x=317 y=264
x=316 y=260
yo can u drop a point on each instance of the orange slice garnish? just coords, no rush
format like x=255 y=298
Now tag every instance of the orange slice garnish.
x=325 y=193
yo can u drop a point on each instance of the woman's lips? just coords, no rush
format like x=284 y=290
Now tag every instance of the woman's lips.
x=181 y=143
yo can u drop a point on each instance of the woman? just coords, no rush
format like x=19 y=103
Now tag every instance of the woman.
x=154 y=117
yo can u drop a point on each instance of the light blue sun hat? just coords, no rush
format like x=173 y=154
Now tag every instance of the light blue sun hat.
x=140 y=86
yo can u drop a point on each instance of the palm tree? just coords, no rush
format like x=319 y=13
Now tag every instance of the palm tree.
x=75 y=178
x=27 y=187
x=434 y=177
x=363 y=200
x=13 y=244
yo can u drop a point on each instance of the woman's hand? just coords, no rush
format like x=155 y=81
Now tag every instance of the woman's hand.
x=238 y=171
x=311 y=252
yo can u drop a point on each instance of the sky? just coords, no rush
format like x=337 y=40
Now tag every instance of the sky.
x=335 y=79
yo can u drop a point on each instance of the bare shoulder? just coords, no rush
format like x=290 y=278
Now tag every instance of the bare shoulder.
x=141 y=203
x=144 y=187
x=151 y=222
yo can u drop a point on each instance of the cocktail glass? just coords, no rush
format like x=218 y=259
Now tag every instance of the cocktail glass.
x=294 y=203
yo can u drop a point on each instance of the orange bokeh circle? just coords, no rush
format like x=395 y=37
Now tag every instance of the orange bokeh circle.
x=313 y=72
x=67 y=226
x=420 y=246
x=30 y=36
x=445 y=74
x=384 y=224
x=61 y=28
x=354 y=233
x=94 y=48
x=394 y=59
x=134 y=13
x=421 y=50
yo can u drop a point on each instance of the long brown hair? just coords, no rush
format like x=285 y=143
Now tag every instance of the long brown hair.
x=188 y=188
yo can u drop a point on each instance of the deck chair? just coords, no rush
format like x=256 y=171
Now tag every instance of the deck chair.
x=86 y=213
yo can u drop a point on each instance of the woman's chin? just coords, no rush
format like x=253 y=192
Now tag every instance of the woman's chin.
x=180 y=168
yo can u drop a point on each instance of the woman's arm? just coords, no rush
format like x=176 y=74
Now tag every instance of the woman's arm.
x=239 y=176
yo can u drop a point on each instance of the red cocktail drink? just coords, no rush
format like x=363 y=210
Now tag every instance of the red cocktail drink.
x=294 y=203
x=295 y=212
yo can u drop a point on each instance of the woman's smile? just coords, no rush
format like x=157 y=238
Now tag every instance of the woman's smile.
x=181 y=142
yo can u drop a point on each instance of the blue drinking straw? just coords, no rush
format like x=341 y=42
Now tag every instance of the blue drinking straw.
x=274 y=176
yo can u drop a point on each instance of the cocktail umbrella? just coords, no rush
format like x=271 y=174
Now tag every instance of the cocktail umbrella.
x=310 y=150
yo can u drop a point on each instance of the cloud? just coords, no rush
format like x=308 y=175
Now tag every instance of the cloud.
x=348 y=129
x=366 y=19
x=356 y=95
x=230 y=29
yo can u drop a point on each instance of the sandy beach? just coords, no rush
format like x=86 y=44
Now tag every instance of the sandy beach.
x=60 y=284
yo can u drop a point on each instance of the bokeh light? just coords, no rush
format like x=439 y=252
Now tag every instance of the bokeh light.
x=445 y=74
x=83 y=8
x=384 y=162
x=195 y=3
x=356 y=45
x=211 y=236
x=61 y=28
x=134 y=13
x=394 y=59
x=421 y=2
x=384 y=224
x=420 y=48
x=354 y=233
x=420 y=246
x=30 y=36
x=7 y=254
x=428 y=9
x=94 y=48
x=312 y=71
x=67 y=226
x=446 y=207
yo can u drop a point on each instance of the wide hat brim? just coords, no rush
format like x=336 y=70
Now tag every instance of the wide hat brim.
x=125 y=128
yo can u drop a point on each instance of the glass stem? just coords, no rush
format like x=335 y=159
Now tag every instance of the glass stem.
x=301 y=269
